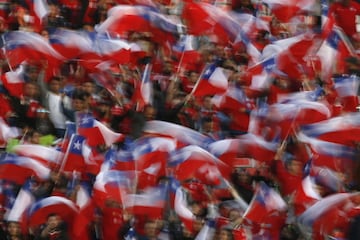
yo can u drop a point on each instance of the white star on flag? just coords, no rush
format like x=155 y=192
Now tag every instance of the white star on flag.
x=77 y=145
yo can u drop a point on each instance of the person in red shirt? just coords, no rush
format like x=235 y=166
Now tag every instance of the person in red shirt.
x=344 y=13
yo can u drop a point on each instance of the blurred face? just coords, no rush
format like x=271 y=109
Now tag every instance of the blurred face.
x=54 y=221
x=149 y=113
x=30 y=90
x=89 y=87
x=150 y=229
x=55 y=86
x=225 y=235
x=295 y=167
x=78 y=105
x=14 y=229
x=234 y=214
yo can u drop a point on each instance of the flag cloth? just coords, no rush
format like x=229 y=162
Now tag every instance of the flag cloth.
x=144 y=90
x=214 y=80
x=13 y=81
x=7 y=132
x=39 y=211
x=73 y=157
x=267 y=211
x=150 y=202
x=23 y=201
x=46 y=155
x=24 y=167
x=95 y=132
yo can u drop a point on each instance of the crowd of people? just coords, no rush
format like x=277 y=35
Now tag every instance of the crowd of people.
x=266 y=148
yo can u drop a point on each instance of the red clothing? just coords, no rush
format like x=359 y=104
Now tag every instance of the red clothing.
x=5 y=106
x=289 y=183
x=112 y=222
x=304 y=197
x=345 y=16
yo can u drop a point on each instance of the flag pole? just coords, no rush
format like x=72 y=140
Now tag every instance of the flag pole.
x=4 y=51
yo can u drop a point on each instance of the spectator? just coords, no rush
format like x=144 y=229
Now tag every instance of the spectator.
x=53 y=229
x=345 y=12
x=14 y=231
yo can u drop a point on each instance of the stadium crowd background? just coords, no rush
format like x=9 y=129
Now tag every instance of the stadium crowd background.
x=149 y=90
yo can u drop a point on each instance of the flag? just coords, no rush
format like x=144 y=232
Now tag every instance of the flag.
x=24 y=200
x=86 y=211
x=45 y=155
x=247 y=145
x=183 y=210
x=24 y=168
x=183 y=135
x=285 y=10
x=337 y=157
x=258 y=76
x=230 y=152
x=74 y=159
x=39 y=211
x=29 y=46
x=39 y=9
x=347 y=88
x=7 y=132
x=207 y=19
x=332 y=53
x=124 y=18
x=150 y=155
x=234 y=99
x=113 y=185
x=342 y=130
x=213 y=80
x=145 y=89
x=208 y=231
x=267 y=211
x=186 y=51
x=95 y=132
x=150 y=202
x=195 y=162
x=71 y=43
x=309 y=219
x=13 y=81
x=115 y=50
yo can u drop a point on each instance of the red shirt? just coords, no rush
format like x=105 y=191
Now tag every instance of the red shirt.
x=345 y=16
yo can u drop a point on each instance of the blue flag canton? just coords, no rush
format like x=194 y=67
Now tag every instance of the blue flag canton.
x=269 y=64
x=77 y=144
x=85 y=120
x=209 y=71
x=334 y=40
x=263 y=194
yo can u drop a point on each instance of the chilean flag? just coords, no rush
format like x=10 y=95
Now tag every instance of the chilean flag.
x=39 y=211
x=114 y=185
x=45 y=155
x=267 y=208
x=184 y=135
x=14 y=82
x=343 y=129
x=144 y=89
x=71 y=43
x=24 y=168
x=214 y=80
x=285 y=10
x=150 y=202
x=182 y=209
x=7 y=132
x=24 y=200
x=347 y=88
x=95 y=132
x=21 y=46
x=74 y=158
x=195 y=162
